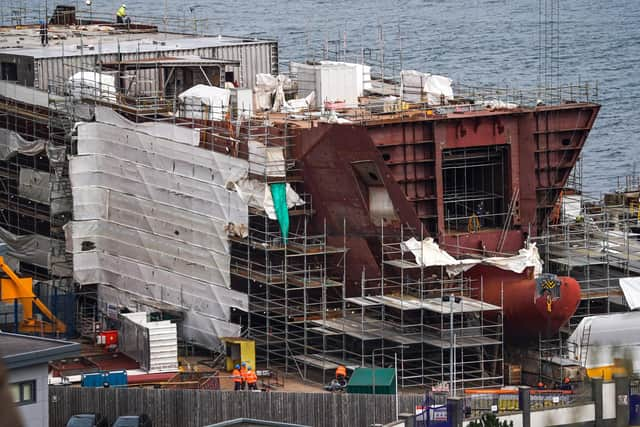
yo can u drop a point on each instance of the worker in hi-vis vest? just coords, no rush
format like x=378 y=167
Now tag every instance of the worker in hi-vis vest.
x=237 y=378
x=252 y=379
x=121 y=14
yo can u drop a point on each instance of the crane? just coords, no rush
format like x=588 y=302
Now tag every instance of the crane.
x=15 y=288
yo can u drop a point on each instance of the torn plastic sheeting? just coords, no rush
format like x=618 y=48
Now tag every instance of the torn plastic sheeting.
x=258 y=195
x=263 y=99
x=266 y=81
x=183 y=135
x=32 y=248
x=631 y=288
x=12 y=143
x=185 y=258
x=159 y=153
x=196 y=327
x=298 y=105
x=428 y=254
x=160 y=186
x=156 y=283
x=204 y=102
x=34 y=185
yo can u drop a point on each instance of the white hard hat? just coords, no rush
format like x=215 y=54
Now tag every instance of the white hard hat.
x=124 y=5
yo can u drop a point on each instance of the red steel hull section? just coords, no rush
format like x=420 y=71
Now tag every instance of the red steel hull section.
x=543 y=145
x=526 y=313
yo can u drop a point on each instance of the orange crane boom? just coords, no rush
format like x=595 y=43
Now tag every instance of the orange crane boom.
x=21 y=289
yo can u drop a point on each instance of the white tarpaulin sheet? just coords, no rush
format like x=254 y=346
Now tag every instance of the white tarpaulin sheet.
x=202 y=327
x=150 y=220
x=167 y=131
x=89 y=84
x=424 y=87
x=269 y=91
x=204 y=102
x=265 y=160
x=611 y=337
x=571 y=206
x=32 y=248
x=258 y=195
x=12 y=143
x=428 y=254
x=631 y=288
x=34 y=185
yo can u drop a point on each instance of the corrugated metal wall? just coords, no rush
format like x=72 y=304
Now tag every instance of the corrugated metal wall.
x=258 y=57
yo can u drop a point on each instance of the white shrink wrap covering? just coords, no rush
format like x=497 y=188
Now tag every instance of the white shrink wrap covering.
x=151 y=216
x=424 y=87
x=204 y=102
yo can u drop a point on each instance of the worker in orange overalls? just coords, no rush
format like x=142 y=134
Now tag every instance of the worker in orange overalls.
x=243 y=374
x=237 y=378
x=252 y=379
x=341 y=374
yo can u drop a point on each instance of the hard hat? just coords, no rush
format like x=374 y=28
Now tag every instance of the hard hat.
x=237 y=366
x=124 y=5
x=244 y=363
x=567 y=380
x=540 y=384
x=248 y=368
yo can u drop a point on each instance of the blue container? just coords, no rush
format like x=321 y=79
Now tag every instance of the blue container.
x=634 y=410
x=99 y=379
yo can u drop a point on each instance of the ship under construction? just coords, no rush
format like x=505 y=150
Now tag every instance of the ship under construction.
x=333 y=213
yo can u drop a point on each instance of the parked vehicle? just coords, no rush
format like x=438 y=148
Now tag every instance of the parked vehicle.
x=87 y=420
x=141 y=420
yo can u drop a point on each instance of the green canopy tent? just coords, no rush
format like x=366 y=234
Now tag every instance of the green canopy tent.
x=363 y=380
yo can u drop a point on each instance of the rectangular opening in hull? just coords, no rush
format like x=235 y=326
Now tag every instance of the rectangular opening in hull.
x=475 y=182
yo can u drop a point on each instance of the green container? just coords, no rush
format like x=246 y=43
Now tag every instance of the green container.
x=362 y=381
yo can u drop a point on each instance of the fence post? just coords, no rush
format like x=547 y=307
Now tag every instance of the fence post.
x=524 y=403
x=622 y=400
x=596 y=392
x=455 y=411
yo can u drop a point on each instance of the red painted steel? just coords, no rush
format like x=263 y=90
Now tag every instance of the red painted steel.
x=525 y=312
x=542 y=146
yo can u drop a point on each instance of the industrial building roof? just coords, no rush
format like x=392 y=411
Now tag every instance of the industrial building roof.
x=18 y=351
x=101 y=39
